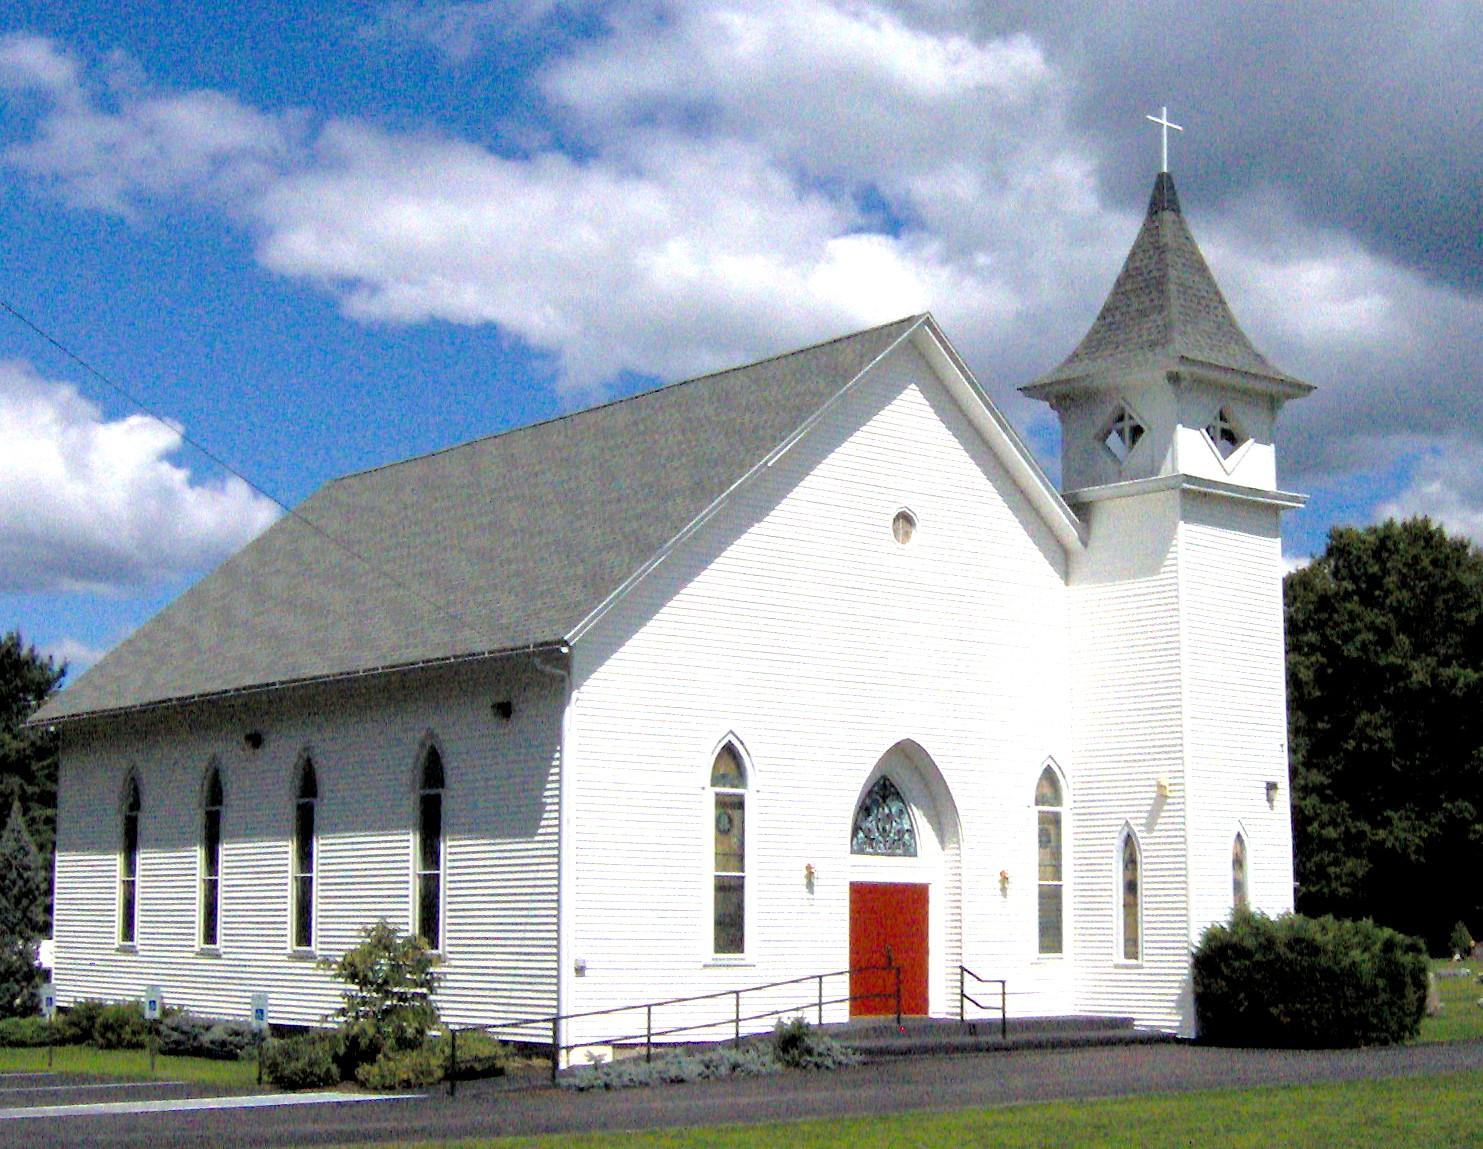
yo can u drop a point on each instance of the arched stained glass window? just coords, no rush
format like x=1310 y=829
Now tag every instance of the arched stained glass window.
x=1239 y=896
x=1050 y=849
x=1132 y=903
x=307 y=798
x=128 y=864
x=883 y=823
x=430 y=850
x=728 y=891
x=210 y=909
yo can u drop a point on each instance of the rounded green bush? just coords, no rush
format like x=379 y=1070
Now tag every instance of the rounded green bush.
x=121 y=1025
x=1300 y=982
x=306 y=1061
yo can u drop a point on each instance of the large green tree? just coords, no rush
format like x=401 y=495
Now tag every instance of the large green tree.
x=28 y=758
x=1385 y=710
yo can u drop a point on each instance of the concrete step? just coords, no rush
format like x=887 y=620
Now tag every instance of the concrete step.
x=916 y=1036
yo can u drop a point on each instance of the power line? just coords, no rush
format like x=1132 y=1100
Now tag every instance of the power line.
x=231 y=470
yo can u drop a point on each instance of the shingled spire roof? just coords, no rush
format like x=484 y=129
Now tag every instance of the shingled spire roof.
x=1164 y=311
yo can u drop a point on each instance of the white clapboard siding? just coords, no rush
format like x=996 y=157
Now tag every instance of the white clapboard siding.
x=795 y=623
x=1230 y=554
x=365 y=741
x=1128 y=737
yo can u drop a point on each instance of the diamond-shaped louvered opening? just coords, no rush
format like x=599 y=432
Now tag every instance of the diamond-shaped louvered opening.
x=1122 y=433
x=1225 y=434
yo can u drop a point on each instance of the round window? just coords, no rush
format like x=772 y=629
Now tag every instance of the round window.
x=903 y=526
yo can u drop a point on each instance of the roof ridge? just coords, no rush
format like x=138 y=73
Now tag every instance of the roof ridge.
x=621 y=399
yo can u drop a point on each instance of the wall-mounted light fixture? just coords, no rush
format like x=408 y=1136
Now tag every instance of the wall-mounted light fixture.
x=504 y=709
x=809 y=875
x=253 y=739
x=1004 y=882
x=1271 y=793
x=1161 y=787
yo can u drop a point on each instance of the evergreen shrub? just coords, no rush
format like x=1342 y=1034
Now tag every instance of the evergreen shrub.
x=389 y=980
x=1303 y=982
x=26 y=1032
x=1461 y=942
x=121 y=1025
x=76 y=1025
x=480 y=1055
x=406 y=1068
x=190 y=1035
x=305 y=1061
x=798 y=1045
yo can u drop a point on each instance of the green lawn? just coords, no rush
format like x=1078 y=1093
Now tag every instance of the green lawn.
x=1406 y=1113
x=130 y=1063
x=1461 y=1015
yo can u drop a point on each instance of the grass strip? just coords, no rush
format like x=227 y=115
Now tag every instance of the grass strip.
x=130 y=1063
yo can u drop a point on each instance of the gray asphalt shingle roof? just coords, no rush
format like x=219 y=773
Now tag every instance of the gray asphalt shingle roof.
x=499 y=544
x=1164 y=307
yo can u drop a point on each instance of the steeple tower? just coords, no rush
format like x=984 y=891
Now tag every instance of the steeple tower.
x=1165 y=382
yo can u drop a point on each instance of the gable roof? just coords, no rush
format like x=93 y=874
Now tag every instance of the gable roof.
x=501 y=544
x=1165 y=310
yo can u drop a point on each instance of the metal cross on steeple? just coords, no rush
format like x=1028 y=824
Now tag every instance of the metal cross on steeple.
x=1162 y=119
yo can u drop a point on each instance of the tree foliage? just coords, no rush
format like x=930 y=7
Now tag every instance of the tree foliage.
x=22 y=915
x=28 y=759
x=389 y=981
x=1385 y=704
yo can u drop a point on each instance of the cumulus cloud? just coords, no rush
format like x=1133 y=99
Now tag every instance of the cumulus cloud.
x=89 y=503
x=462 y=29
x=1447 y=486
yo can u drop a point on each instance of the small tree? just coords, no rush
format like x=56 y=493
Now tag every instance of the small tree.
x=1462 y=940
x=389 y=979
x=22 y=915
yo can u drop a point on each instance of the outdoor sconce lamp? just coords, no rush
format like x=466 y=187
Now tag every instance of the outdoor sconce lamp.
x=809 y=874
x=1161 y=787
x=1004 y=882
x=253 y=739
x=1271 y=793
x=504 y=709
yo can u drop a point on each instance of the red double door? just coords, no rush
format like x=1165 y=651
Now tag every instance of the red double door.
x=888 y=923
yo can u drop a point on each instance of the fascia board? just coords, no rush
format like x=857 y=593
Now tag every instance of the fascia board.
x=998 y=434
x=824 y=411
x=1285 y=500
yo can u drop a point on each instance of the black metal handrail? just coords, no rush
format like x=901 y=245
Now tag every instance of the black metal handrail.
x=964 y=997
x=649 y=1033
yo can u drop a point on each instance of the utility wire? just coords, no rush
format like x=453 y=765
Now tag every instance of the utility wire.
x=231 y=470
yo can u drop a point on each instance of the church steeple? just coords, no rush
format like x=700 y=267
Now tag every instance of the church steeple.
x=1164 y=347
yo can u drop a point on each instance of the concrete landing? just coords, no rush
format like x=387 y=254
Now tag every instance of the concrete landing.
x=919 y=1036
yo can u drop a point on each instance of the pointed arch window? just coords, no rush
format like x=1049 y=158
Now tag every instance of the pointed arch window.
x=729 y=862
x=1240 y=898
x=1131 y=892
x=883 y=823
x=1050 y=848
x=430 y=859
x=306 y=799
x=212 y=803
x=128 y=864
x=1225 y=434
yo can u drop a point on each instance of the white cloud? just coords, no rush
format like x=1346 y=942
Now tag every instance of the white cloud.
x=463 y=29
x=88 y=503
x=78 y=656
x=1446 y=486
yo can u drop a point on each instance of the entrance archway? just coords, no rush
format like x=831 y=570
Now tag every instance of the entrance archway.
x=905 y=886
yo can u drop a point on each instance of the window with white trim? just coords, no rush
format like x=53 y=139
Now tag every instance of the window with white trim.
x=1122 y=433
x=210 y=890
x=729 y=855
x=1225 y=434
x=1050 y=849
x=430 y=860
x=1130 y=940
x=1240 y=898
x=128 y=863
x=306 y=799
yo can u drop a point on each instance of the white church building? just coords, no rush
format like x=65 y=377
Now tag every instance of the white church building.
x=752 y=677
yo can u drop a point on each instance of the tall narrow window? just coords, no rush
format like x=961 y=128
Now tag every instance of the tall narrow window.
x=1050 y=848
x=729 y=809
x=1239 y=897
x=430 y=850
x=211 y=860
x=1132 y=905
x=128 y=865
x=307 y=796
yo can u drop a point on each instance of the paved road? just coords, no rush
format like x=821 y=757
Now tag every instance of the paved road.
x=884 y=1087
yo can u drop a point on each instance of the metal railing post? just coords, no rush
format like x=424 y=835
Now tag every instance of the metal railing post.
x=898 y=995
x=648 y=1033
x=962 y=989
x=821 y=999
x=1003 y=1010
x=736 y=1040
x=452 y=1062
x=555 y=1047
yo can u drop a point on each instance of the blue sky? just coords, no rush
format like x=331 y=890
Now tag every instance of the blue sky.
x=320 y=241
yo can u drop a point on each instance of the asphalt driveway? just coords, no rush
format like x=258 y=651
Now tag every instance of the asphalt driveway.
x=891 y=1086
